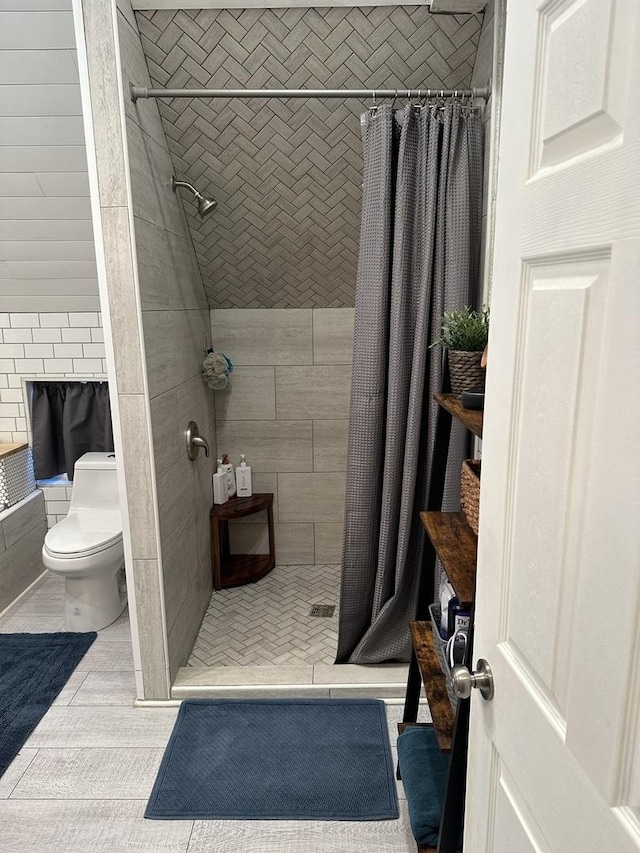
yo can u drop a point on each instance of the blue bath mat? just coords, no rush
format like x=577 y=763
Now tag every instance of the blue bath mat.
x=292 y=759
x=33 y=670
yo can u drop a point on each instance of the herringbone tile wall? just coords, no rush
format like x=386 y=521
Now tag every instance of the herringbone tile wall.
x=287 y=174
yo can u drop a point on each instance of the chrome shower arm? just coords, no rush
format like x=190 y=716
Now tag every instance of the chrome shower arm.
x=205 y=205
x=175 y=184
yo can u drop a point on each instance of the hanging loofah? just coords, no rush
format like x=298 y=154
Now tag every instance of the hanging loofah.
x=216 y=368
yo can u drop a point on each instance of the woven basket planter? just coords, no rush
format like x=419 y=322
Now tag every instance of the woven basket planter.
x=470 y=492
x=465 y=370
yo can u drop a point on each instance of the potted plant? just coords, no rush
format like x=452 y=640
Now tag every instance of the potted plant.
x=464 y=335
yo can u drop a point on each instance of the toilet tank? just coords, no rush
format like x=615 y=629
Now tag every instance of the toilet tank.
x=95 y=484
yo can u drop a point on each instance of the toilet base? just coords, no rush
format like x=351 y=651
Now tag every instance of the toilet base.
x=92 y=603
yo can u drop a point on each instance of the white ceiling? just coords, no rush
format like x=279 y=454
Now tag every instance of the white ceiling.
x=47 y=258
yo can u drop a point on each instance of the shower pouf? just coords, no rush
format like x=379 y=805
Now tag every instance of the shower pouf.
x=216 y=368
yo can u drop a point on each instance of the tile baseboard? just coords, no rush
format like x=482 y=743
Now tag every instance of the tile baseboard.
x=248 y=682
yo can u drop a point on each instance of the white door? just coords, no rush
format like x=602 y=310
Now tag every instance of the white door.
x=554 y=758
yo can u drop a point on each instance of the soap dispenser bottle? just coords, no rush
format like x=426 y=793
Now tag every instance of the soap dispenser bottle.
x=227 y=468
x=243 y=478
x=220 y=485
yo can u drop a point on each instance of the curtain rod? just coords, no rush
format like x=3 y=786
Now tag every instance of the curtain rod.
x=138 y=92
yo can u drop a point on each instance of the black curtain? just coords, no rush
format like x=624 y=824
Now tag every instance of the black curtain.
x=68 y=419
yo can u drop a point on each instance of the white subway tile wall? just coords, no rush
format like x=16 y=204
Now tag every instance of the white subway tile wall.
x=39 y=346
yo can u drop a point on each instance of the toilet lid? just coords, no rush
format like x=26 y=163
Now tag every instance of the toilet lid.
x=84 y=533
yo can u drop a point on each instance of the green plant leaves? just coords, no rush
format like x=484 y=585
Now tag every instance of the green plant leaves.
x=465 y=330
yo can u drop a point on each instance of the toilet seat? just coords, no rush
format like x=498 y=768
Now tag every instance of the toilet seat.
x=82 y=534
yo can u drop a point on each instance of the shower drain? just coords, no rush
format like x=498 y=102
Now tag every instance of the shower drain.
x=322 y=610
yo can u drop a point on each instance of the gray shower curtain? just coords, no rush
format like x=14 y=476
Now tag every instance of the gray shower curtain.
x=419 y=255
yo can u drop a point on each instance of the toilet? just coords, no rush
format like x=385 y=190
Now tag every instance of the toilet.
x=86 y=547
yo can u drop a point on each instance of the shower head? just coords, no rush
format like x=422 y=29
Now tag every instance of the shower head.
x=205 y=205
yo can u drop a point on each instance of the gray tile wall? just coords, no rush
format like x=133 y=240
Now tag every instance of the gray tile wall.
x=287 y=174
x=22 y=533
x=287 y=410
x=157 y=313
x=175 y=323
x=131 y=427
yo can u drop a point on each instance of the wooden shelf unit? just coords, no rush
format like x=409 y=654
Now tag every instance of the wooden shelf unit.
x=457 y=547
x=434 y=683
x=470 y=418
x=455 y=544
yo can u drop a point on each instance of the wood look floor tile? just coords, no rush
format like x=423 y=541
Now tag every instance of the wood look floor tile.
x=14 y=773
x=118 y=631
x=90 y=774
x=106 y=688
x=71 y=687
x=25 y=620
x=13 y=623
x=39 y=605
x=85 y=826
x=107 y=655
x=303 y=836
x=113 y=726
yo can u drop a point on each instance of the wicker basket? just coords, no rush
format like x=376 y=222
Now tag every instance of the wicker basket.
x=465 y=370
x=470 y=492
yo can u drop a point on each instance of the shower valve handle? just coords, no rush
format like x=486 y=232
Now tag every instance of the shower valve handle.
x=195 y=441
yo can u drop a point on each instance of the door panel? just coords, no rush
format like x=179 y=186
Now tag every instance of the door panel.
x=559 y=325
x=576 y=97
x=554 y=758
x=514 y=826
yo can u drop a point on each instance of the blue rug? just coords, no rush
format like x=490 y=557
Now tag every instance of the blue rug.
x=292 y=759
x=33 y=670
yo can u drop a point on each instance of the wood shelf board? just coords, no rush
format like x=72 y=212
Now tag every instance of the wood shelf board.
x=471 y=418
x=237 y=507
x=434 y=683
x=456 y=545
x=238 y=569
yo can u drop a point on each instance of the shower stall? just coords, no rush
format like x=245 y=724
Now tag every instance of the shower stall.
x=266 y=274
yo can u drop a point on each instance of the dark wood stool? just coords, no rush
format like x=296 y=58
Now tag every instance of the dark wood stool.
x=237 y=569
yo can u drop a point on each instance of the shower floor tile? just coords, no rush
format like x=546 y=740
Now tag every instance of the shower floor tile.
x=268 y=623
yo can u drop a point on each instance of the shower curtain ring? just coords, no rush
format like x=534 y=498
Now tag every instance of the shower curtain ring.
x=395 y=98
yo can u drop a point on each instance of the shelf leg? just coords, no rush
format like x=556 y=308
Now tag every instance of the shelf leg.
x=439 y=461
x=453 y=810
x=216 y=555
x=272 y=538
x=412 y=696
